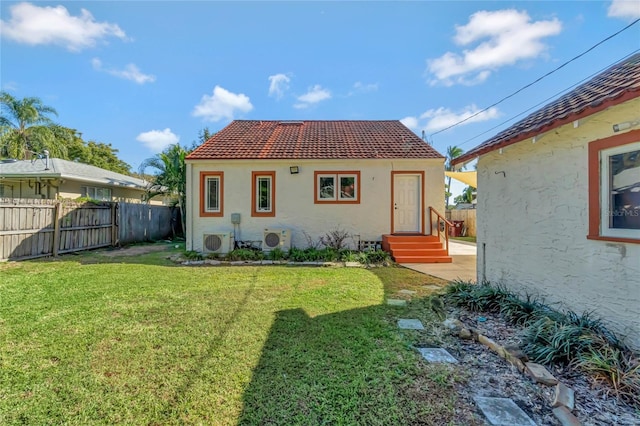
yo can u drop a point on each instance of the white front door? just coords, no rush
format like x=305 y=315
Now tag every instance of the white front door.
x=406 y=203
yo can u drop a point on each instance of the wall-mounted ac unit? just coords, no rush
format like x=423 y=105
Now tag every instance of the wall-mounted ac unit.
x=217 y=243
x=276 y=238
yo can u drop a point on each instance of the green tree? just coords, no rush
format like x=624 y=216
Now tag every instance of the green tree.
x=26 y=127
x=170 y=177
x=466 y=196
x=452 y=152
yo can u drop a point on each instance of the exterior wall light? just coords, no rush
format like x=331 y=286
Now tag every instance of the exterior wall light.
x=294 y=170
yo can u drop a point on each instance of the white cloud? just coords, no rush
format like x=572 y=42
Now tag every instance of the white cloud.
x=33 y=25
x=222 y=104
x=411 y=122
x=314 y=95
x=625 y=9
x=360 y=87
x=130 y=72
x=503 y=37
x=157 y=140
x=437 y=119
x=278 y=84
x=10 y=86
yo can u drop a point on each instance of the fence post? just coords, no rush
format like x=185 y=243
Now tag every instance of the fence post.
x=57 y=213
x=114 y=224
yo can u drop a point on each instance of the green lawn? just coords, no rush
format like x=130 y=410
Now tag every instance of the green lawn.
x=94 y=340
x=468 y=239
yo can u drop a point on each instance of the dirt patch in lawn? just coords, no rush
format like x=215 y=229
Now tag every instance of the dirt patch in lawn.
x=136 y=250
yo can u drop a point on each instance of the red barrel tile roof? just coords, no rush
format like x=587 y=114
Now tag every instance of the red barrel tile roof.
x=311 y=139
x=617 y=84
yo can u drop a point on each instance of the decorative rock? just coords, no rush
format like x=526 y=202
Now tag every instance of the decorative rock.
x=237 y=262
x=491 y=345
x=437 y=355
x=465 y=333
x=516 y=352
x=503 y=412
x=396 y=302
x=565 y=417
x=540 y=374
x=267 y=262
x=410 y=324
x=564 y=397
x=452 y=323
x=212 y=262
x=352 y=264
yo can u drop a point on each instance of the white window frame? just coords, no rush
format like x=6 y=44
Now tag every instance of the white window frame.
x=605 y=193
x=338 y=195
x=207 y=190
x=269 y=180
x=96 y=193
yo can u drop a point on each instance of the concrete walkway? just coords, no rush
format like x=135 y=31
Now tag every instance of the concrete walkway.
x=463 y=266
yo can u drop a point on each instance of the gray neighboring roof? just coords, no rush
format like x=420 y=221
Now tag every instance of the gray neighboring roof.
x=64 y=169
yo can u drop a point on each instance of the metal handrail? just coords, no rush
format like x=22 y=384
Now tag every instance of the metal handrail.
x=441 y=220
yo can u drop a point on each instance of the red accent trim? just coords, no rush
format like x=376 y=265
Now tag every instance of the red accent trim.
x=254 y=205
x=203 y=178
x=422 y=198
x=338 y=200
x=594 y=182
x=549 y=126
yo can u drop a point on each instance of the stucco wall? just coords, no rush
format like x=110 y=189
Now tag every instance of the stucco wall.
x=295 y=208
x=532 y=218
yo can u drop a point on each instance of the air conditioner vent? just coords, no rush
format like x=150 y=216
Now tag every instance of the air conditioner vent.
x=217 y=243
x=276 y=238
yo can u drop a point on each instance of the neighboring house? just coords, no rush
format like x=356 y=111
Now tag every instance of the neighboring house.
x=559 y=200
x=55 y=178
x=287 y=183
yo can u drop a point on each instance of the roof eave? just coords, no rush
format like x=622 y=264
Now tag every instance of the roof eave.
x=589 y=110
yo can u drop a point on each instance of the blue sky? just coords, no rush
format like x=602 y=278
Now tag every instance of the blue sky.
x=143 y=74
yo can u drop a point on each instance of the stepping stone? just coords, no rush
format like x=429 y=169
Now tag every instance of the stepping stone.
x=432 y=287
x=396 y=302
x=410 y=324
x=503 y=412
x=437 y=355
x=540 y=374
x=410 y=292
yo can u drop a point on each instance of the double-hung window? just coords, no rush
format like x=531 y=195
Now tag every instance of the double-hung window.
x=614 y=188
x=263 y=194
x=337 y=187
x=95 y=193
x=211 y=193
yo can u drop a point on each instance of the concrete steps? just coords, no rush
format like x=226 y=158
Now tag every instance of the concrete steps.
x=415 y=249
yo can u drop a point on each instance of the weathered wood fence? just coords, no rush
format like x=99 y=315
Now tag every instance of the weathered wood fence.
x=468 y=216
x=32 y=228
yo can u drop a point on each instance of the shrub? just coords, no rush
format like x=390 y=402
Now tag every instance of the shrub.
x=245 y=254
x=276 y=254
x=193 y=255
x=335 y=239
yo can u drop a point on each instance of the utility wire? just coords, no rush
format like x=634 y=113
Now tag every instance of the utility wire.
x=549 y=98
x=538 y=79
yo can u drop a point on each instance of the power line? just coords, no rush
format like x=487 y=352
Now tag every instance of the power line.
x=538 y=79
x=549 y=98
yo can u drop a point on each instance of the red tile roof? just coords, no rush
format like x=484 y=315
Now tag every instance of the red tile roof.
x=616 y=85
x=310 y=139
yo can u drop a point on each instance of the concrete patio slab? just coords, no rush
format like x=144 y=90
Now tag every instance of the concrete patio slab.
x=503 y=412
x=410 y=324
x=462 y=268
x=437 y=355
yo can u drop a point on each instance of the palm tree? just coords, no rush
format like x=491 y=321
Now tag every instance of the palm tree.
x=452 y=152
x=171 y=177
x=25 y=127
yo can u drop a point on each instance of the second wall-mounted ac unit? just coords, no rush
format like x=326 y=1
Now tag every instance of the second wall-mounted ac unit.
x=218 y=243
x=276 y=238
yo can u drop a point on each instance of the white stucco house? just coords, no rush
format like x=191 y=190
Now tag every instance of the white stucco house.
x=558 y=212
x=284 y=183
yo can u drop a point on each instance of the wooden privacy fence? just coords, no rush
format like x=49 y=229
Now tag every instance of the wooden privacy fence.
x=32 y=228
x=468 y=216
